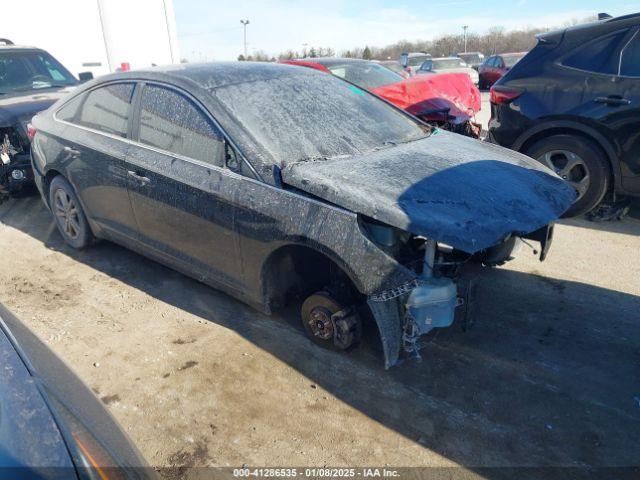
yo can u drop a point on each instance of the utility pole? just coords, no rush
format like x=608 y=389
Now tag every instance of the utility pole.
x=464 y=28
x=245 y=23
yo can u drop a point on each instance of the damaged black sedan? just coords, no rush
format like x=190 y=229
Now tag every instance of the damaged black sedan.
x=276 y=183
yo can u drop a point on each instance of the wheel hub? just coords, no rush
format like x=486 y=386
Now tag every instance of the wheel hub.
x=320 y=323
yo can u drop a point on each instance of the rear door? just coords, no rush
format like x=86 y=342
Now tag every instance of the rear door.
x=93 y=151
x=628 y=124
x=609 y=96
x=183 y=195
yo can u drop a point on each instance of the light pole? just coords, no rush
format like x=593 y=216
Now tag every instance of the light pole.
x=464 y=28
x=245 y=23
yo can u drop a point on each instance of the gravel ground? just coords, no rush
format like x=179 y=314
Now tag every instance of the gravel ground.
x=548 y=376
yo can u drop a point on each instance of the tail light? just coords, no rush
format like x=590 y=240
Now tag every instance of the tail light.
x=31 y=132
x=501 y=95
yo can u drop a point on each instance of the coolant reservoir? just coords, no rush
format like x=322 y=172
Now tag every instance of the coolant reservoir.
x=432 y=303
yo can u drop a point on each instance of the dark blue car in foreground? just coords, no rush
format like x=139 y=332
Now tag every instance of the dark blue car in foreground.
x=51 y=424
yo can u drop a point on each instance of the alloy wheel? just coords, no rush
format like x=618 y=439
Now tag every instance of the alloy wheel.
x=570 y=167
x=67 y=214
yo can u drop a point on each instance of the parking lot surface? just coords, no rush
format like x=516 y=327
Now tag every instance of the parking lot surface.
x=548 y=375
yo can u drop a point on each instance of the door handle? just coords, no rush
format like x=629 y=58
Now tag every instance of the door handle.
x=71 y=151
x=614 y=101
x=139 y=177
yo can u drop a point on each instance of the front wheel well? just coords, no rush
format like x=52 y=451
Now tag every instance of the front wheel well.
x=296 y=271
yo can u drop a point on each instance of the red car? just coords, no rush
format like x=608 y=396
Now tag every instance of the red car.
x=495 y=67
x=449 y=101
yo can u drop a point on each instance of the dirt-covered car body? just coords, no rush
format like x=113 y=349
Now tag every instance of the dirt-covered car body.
x=288 y=181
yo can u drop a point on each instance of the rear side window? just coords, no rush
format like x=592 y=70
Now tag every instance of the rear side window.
x=630 y=60
x=599 y=56
x=106 y=109
x=171 y=122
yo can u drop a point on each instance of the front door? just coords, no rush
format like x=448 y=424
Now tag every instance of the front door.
x=183 y=197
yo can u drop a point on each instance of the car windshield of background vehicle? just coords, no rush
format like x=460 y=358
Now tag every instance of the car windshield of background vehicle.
x=417 y=60
x=366 y=75
x=630 y=59
x=310 y=116
x=24 y=71
x=597 y=56
x=511 y=60
x=472 y=58
x=447 y=63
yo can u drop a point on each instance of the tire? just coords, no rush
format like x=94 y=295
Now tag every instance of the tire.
x=481 y=84
x=579 y=161
x=68 y=214
x=335 y=334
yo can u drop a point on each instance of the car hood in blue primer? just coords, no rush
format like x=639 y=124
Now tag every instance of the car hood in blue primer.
x=453 y=189
x=31 y=445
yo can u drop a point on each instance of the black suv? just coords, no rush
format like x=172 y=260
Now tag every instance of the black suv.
x=30 y=81
x=573 y=103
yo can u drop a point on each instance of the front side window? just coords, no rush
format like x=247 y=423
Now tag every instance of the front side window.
x=105 y=108
x=598 y=56
x=427 y=66
x=630 y=60
x=171 y=122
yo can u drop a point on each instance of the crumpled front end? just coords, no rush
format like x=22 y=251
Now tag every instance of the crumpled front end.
x=448 y=100
x=15 y=164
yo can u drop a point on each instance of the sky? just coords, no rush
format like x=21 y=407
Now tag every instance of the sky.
x=211 y=29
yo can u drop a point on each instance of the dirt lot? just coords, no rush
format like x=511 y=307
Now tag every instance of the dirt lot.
x=549 y=375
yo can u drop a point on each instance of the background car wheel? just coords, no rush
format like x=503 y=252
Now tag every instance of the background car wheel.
x=324 y=328
x=481 y=84
x=581 y=163
x=68 y=214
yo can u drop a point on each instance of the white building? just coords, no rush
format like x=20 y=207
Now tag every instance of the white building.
x=95 y=35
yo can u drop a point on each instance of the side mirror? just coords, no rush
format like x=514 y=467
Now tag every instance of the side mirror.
x=85 y=76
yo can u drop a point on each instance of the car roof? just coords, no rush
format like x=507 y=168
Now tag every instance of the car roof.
x=332 y=61
x=212 y=75
x=592 y=28
x=21 y=48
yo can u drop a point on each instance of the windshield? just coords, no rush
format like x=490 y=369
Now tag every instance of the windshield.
x=313 y=116
x=31 y=70
x=447 y=63
x=511 y=60
x=472 y=58
x=417 y=60
x=366 y=75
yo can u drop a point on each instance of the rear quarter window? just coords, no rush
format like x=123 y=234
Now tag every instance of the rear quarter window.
x=630 y=60
x=599 y=56
x=106 y=109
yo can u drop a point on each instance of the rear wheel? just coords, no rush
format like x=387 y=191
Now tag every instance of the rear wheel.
x=581 y=163
x=329 y=324
x=68 y=214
